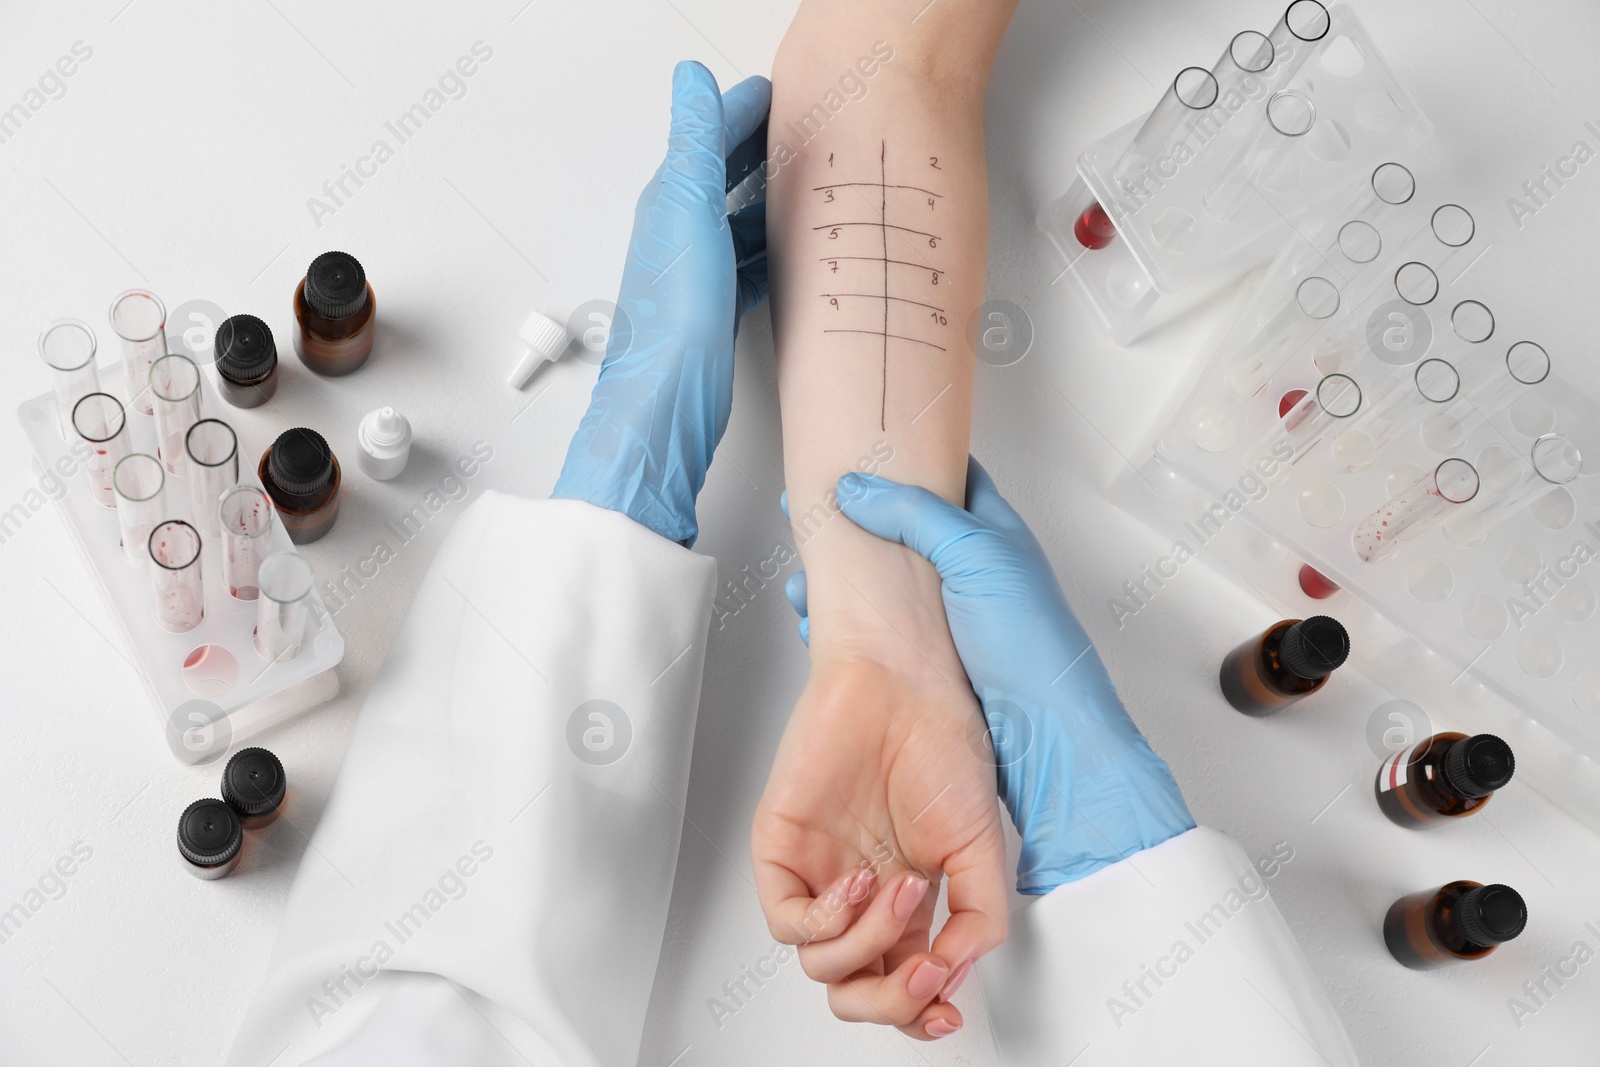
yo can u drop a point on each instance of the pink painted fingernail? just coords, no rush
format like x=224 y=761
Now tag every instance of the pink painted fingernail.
x=861 y=885
x=941 y=1028
x=924 y=981
x=957 y=976
x=908 y=896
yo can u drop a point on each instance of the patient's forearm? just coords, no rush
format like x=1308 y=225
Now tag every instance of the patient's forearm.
x=877 y=230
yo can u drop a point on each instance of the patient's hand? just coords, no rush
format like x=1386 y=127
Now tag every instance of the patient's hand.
x=884 y=777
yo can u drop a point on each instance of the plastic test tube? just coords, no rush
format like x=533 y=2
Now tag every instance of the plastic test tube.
x=180 y=601
x=1304 y=22
x=175 y=388
x=1337 y=397
x=1416 y=508
x=245 y=514
x=1552 y=461
x=100 y=421
x=67 y=347
x=138 y=479
x=283 y=610
x=1192 y=92
x=1281 y=334
x=1525 y=366
x=140 y=320
x=1248 y=55
x=1290 y=114
x=1434 y=382
x=213 y=452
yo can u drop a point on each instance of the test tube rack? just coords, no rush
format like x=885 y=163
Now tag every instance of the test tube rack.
x=1202 y=189
x=209 y=687
x=1486 y=618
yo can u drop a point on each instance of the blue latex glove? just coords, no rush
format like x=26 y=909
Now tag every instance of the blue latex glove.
x=1080 y=781
x=665 y=388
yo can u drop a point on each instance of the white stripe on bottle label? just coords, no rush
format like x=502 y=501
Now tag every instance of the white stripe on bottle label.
x=1394 y=771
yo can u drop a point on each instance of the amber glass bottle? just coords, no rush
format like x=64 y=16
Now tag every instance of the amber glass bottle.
x=247 y=361
x=1458 y=921
x=209 y=839
x=334 y=314
x=254 y=786
x=301 y=475
x=1442 y=777
x=1289 y=662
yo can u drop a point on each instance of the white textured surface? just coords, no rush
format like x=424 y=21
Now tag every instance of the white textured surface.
x=182 y=154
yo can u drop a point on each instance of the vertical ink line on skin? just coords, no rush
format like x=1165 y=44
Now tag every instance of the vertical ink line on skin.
x=883 y=227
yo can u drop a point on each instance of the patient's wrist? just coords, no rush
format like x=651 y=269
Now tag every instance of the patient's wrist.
x=874 y=600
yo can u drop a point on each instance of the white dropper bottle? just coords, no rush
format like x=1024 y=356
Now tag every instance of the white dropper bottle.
x=385 y=440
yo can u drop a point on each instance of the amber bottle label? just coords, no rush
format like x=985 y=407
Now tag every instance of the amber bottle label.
x=1395 y=771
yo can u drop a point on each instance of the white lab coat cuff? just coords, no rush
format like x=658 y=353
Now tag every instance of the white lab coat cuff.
x=1175 y=954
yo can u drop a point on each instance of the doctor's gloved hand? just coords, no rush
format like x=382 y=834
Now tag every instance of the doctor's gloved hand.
x=1081 y=783
x=665 y=388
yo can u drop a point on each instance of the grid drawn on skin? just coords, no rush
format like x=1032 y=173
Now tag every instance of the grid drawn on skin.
x=885 y=294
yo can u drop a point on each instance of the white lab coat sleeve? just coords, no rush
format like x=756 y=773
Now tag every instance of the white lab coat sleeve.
x=490 y=879
x=1174 y=955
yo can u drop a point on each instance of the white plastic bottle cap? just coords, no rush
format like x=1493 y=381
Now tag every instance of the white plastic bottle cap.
x=385 y=439
x=543 y=339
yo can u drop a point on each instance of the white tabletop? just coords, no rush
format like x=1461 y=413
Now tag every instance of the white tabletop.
x=183 y=153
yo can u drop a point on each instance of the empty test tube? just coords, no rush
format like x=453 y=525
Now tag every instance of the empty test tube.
x=1289 y=114
x=138 y=480
x=1304 y=22
x=1336 y=398
x=213 y=451
x=1389 y=185
x=180 y=601
x=245 y=515
x=100 y=422
x=1472 y=321
x=1453 y=225
x=283 y=610
x=1285 y=331
x=1249 y=52
x=1238 y=72
x=140 y=320
x=1552 y=462
x=67 y=347
x=1415 y=509
x=1192 y=93
x=1526 y=365
x=1433 y=383
x=175 y=391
